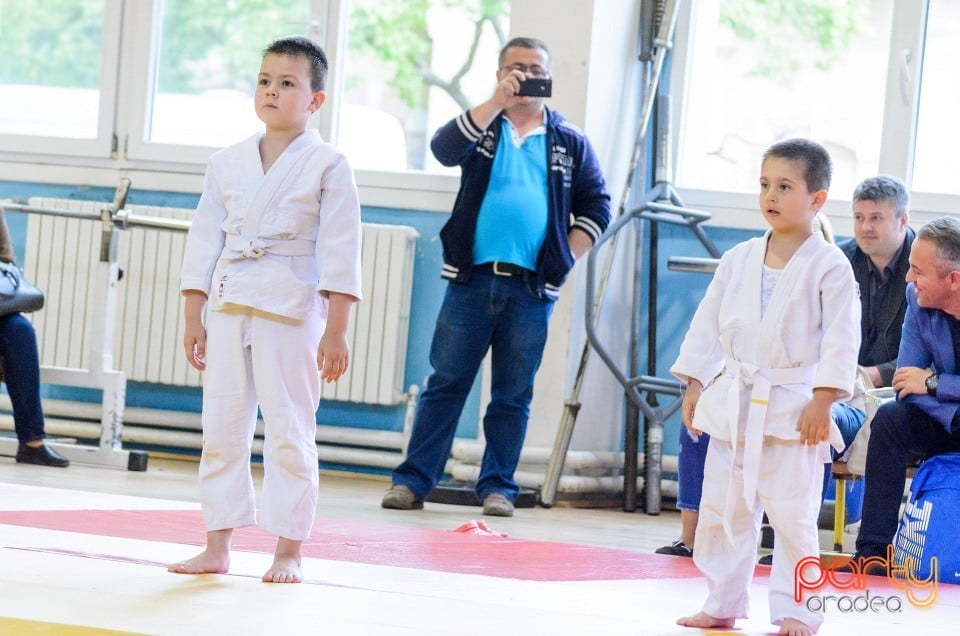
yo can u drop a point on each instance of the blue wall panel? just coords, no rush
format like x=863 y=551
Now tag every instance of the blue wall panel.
x=679 y=294
x=428 y=289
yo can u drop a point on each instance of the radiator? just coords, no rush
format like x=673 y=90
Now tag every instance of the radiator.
x=61 y=258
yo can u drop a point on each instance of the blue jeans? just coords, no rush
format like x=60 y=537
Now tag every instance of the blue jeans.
x=693 y=454
x=690 y=461
x=506 y=315
x=849 y=420
x=900 y=433
x=21 y=372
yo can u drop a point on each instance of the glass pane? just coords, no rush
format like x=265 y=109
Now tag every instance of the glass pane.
x=938 y=136
x=206 y=67
x=765 y=71
x=50 y=78
x=410 y=66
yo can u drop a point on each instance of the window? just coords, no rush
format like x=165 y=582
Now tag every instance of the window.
x=410 y=66
x=205 y=67
x=160 y=84
x=764 y=71
x=57 y=82
x=938 y=136
x=201 y=62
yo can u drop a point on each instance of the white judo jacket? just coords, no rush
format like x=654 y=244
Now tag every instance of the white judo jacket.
x=273 y=241
x=809 y=337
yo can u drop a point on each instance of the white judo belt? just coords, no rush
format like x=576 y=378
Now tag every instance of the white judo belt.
x=758 y=381
x=257 y=247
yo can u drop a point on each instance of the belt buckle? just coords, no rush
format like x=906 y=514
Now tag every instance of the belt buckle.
x=496 y=270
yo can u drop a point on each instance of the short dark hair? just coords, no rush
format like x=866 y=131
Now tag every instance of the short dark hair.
x=814 y=158
x=525 y=43
x=884 y=188
x=944 y=233
x=299 y=46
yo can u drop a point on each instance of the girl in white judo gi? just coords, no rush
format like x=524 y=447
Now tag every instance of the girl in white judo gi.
x=271 y=270
x=772 y=345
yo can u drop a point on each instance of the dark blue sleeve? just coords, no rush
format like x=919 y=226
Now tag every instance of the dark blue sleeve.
x=590 y=199
x=454 y=141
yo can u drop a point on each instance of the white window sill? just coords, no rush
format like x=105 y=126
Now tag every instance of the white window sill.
x=397 y=190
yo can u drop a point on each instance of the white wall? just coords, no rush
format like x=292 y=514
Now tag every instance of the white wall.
x=595 y=86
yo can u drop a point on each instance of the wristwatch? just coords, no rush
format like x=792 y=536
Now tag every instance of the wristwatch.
x=931 y=383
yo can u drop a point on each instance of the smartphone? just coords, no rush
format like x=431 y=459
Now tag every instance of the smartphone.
x=535 y=87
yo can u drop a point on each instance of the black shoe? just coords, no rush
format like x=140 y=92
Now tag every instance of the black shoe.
x=675 y=549
x=871 y=560
x=42 y=455
x=766 y=536
x=766 y=559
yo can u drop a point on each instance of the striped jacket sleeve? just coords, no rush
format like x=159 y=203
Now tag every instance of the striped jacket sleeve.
x=591 y=201
x=453 y=142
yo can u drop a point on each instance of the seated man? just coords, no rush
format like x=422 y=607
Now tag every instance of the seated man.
x=925 y=419
x=879 y=254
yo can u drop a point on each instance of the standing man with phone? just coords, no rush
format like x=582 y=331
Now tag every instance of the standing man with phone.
x=532 y=200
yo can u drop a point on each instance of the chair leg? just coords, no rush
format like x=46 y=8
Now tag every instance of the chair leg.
x=839 y=513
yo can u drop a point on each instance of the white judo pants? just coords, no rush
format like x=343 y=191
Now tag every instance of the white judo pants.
x=255 y=357
x=789 y=485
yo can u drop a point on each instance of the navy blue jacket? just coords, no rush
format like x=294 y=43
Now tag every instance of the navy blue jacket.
x=577 y=194
x=928 y=342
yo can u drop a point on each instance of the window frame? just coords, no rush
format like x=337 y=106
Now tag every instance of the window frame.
x=901 y=108
x=141 y=22
x=103 y=144
x=128 y=52
x=127 y=48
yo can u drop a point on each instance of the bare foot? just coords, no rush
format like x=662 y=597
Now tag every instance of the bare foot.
x=793 y=627
x=214 y=560
x=207 y=561
x=286 y=563
x=703 y=620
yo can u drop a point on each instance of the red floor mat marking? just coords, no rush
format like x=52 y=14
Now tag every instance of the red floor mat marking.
x=382 y=544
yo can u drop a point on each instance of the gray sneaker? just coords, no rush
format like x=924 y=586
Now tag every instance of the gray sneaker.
x=496 y=505
x=400 y=498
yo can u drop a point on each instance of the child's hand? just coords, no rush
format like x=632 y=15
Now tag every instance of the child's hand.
x=195 y=344
x=689 y=406
x=333 y=356
x=194 y=334
x=815 y=419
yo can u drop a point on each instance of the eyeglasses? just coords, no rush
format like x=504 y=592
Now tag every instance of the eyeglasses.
x=533 y=71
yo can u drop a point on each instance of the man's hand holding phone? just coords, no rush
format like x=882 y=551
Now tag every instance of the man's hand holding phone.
x=515 y=85
x=535 y=87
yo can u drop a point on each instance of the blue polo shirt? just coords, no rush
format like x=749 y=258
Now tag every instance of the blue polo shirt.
x=512 y=222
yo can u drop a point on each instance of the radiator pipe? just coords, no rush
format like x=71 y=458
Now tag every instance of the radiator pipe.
x=472 y=452
x=569 y=484
x=164 y=419
x=193 y=441
x=382 y=448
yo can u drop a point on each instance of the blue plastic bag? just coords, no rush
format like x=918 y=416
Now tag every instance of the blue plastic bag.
x=930 y=520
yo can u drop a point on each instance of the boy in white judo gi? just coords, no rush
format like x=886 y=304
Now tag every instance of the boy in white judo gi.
x=272 y=268
x=772 y=345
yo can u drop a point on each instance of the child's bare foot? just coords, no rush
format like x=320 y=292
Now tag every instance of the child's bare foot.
x=214 y=560
x=793 y=627
x=205 y=562
x=286 y=563
x=704 y=620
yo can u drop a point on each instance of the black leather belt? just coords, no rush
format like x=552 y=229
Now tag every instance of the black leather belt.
x=505 y=269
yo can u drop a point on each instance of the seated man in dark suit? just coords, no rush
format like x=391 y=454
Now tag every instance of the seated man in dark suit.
x=879 y=254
